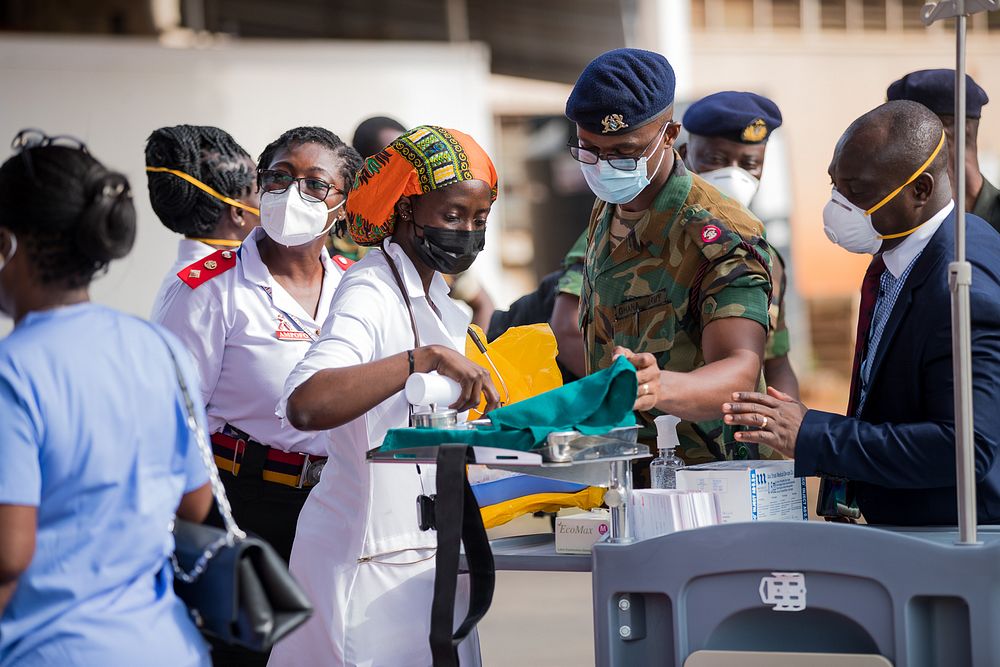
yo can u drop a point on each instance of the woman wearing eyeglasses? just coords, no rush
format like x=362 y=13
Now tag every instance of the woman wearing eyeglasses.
x=95 y=455
x=248 y=315
x=369 y=569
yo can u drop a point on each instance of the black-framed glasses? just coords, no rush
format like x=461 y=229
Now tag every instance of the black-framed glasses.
x=310 y=189
x=620 y=162
x=35 y=138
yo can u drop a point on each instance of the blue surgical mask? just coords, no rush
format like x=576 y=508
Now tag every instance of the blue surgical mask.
x=616 y=186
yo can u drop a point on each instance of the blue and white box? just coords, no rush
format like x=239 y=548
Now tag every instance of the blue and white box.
x=750 y=490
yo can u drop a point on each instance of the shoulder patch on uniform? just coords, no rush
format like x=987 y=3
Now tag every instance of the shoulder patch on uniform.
x=341 y=261
x=710 y=234
x=198 y=273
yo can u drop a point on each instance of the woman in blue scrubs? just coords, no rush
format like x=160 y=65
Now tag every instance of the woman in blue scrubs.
x=95 y=455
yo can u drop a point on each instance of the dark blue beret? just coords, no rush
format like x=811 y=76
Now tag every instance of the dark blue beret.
x=744 y=117
x=935 y=89
x=620 y=91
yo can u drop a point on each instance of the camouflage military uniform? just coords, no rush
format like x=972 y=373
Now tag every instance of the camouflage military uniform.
x=778 y=340
x=698 y=256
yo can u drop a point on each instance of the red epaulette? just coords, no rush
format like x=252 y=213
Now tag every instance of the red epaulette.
x=342 y=262
x=206 y=268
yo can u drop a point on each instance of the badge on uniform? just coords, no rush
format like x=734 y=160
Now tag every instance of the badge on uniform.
x=285 y=331
x=710 y=234
x=755 y=132
x=612 y=123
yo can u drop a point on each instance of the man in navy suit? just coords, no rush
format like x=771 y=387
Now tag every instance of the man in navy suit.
x=892 y=199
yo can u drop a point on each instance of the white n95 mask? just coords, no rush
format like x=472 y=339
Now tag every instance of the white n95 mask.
x=734 y=182
x=290 y=220
x=849 y=226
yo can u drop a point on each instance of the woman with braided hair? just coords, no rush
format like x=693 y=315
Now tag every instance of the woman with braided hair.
x=96 y=453
x=202 y=185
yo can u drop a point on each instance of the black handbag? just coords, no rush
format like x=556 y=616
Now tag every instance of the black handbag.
x=236 y=587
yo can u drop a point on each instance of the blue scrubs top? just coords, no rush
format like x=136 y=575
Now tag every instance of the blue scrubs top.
x=93 y=434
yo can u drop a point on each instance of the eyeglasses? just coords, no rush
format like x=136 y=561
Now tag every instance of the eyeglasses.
x=620 y=162
x=30 y=138
x=310 y=189
x=34 y=138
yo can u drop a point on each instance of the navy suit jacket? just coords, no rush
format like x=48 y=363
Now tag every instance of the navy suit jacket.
x=901 y=452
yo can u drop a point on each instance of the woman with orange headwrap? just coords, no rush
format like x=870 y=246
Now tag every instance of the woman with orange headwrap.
x=358 y=550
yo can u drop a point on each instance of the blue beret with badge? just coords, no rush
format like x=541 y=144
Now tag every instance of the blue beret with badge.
x=935 y=89
x=620 y=91
x=746 y=118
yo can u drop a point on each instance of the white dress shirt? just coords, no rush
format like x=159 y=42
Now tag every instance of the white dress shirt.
x=897 y=259
x=246 y=333
x=189 y=251
x=358 y=550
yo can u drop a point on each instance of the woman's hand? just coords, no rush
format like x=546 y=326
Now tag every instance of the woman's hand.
x=647 y=374
x=474 y=379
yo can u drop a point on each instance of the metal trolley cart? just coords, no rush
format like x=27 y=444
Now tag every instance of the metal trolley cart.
x=595 y=460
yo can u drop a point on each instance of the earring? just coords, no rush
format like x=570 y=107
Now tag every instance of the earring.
x=242 y=223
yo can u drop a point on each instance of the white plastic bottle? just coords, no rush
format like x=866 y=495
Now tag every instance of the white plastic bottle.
x=663 y=469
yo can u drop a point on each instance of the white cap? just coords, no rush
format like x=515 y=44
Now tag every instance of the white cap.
x=666 y=431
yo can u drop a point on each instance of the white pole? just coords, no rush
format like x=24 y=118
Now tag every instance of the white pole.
x=960 y=279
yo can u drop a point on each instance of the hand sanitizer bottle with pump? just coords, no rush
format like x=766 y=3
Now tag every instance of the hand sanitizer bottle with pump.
x=663 y=469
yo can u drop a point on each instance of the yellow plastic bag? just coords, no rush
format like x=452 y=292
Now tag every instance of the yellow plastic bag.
x=501 y=513
x=525 y=358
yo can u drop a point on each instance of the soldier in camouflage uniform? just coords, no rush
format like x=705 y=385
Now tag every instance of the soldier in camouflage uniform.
x=676 y=274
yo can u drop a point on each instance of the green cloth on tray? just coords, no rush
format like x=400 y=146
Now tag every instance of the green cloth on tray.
x=592 y=405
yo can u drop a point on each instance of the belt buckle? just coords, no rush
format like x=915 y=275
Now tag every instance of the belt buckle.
x=311 y=471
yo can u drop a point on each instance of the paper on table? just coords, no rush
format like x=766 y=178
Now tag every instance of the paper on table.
x=657 y=512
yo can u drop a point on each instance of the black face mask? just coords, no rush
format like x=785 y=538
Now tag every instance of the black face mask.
x=449 y=251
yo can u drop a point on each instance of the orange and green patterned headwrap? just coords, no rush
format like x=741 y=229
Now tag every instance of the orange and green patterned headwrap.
x=423 y=159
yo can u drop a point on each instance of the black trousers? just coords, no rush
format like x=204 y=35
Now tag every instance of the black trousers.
x=269 y=511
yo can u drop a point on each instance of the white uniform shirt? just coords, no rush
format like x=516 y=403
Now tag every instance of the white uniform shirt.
x=246 y=334
x=370 y=322
x=358 y=550
x=189 y=251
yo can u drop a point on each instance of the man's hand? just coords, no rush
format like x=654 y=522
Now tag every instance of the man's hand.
x=776 y=416
x=647 y=374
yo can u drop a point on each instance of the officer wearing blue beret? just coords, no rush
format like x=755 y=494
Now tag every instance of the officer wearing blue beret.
x=728 y=135
x=727 y=141
x=677 y=277
x=935 y=89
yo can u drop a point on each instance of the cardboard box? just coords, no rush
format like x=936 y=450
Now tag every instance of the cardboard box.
x=750 y=490
x=577 y=533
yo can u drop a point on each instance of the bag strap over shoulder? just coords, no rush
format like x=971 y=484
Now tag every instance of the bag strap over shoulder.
x=458 y=522
x=406 y=298
x=233 y=532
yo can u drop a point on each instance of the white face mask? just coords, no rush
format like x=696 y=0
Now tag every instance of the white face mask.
x=616 y=186
x=850 y=226
x=290 y=220
x=13 y=249
x=736 y=183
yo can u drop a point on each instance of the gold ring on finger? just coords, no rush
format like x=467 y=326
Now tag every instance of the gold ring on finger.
x=763 y=423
